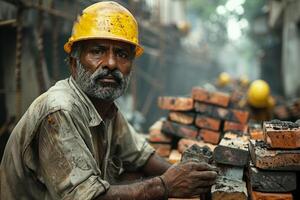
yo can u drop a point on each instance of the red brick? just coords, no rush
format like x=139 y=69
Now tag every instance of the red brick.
x=234 y=115
x=216 y=98
x=182 y=117
x=233 y=126
x=271 y=196
x=163 y=150
x=175 y=103
x=209 y=136
x=282 y=134
x=179 y=130
x=264 y=158
x=174 y=157
x=207 y=122
x=157 y=136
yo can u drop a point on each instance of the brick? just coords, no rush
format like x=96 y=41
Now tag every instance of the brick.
x=231 y=172
x=234 y=115
x=227 y=189
x=182 y=117
x=174 y=157
x=183 y=144
x=176 y=103
x=216 y=98
x=281 y=112
x=233 y=126
x=209 y=136
x=156 y=136
x=179 y=130
x=163 y=150
x=207 y=122
x=282 y=134
x=271 y=196
x=263 y=158
x=256 y=134
x=236 y=135
x=197 y=154
x=231 y=152
x=271 y=181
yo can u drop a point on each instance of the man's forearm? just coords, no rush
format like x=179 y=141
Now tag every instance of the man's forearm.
x=150 y=189
x=155 y=166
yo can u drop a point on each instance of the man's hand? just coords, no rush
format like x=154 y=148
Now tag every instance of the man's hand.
x=189 y=179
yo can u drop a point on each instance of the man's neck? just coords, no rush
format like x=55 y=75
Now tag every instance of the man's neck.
x=104 y=108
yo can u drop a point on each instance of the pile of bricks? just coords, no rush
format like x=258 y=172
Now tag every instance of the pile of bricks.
x=274 y=161
x=288 y=111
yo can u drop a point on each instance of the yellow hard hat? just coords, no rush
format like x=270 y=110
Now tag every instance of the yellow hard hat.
x=105 y=20
x=224 y=79
x=258 y=94
x=244 y=81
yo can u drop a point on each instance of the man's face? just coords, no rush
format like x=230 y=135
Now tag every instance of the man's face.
x=104 y=67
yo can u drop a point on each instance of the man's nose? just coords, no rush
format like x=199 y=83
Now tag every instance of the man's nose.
x=111 y=61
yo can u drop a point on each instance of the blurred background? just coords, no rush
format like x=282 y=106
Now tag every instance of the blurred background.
x=187 y=43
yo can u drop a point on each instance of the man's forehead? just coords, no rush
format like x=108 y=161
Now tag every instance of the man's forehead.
x=106 y=42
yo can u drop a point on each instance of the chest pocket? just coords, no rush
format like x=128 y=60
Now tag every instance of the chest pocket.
x=114 y=169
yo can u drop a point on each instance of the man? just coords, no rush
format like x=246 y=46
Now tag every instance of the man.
x=73 y=143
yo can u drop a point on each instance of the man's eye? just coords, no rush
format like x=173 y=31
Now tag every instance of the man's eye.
x=123 y=55
x=97 y=51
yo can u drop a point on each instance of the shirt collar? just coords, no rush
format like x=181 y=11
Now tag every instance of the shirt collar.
x=94 y=117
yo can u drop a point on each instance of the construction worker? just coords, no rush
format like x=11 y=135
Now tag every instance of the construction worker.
x=223 y=80
x=74 y=143
x=260 y=101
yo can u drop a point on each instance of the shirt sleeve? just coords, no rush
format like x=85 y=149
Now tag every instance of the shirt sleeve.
x=67 y=166
x=133 y=149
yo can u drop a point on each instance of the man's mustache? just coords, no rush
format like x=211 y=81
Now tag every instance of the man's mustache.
x=104 y=72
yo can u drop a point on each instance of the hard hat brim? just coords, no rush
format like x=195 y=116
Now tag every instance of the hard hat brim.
x=138 y=51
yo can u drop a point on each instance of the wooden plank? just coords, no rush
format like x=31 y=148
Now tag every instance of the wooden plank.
x=232 y=152
x=271 y=196
x=176 y=103
x=209 y=136
x=205 y=122
x=282 y=134
x=263 y=158
x=227 y=189
x=182 y=117
x=179 y=130
x=271 y=181
x=215 y=98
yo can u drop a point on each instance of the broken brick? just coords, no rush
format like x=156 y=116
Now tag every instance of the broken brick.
x=282 y=134
x=212 y=137
x=179 y=130
x=197 y=154
x=182 y=117
x=183 y=144
x=271 y=196
x=216 y=98
x=231 y=152
x=265 y=158
x=176 y=103
x=227 y=189
x=207 y=122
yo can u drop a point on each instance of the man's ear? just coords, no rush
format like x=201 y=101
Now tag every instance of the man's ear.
x=73 y=66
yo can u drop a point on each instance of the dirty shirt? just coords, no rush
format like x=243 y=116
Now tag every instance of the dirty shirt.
x=62 y=149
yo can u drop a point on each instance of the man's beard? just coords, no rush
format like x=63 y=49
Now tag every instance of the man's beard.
x=90 y=84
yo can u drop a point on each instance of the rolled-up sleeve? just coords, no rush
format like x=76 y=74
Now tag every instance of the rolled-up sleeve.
x=67 y=166
x=134 y=150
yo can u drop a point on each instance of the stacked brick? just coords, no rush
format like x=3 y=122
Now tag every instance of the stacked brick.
x=289 y=111
x=275 y=161
x=203 y=116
